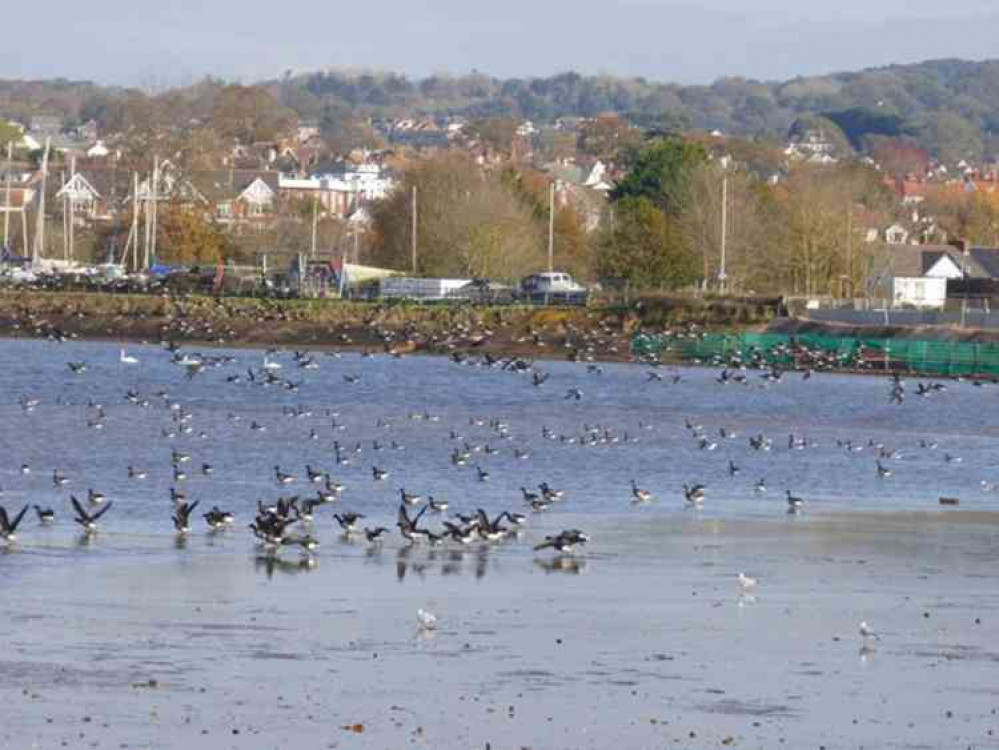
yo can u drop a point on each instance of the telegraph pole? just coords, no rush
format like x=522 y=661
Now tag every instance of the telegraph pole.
x=414 y=231
x=724 y=235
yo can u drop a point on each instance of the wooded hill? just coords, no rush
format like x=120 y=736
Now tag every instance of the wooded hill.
x=950 y=107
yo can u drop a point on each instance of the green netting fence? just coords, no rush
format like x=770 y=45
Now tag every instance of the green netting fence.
x=931 y=357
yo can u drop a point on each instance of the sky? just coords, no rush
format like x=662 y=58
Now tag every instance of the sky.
x=684 y=41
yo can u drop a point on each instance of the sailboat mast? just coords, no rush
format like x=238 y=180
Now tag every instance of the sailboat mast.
x=40 y=225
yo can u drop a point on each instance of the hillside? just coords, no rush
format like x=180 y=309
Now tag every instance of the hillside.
x=936 y=102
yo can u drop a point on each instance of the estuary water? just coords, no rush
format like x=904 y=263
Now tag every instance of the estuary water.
x=133 y=637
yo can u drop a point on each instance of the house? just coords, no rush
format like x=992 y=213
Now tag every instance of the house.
x=927 y=275
x=236 y=195
x=98 y=151
x=896 y=234
x=83 y=199
x=342 y=192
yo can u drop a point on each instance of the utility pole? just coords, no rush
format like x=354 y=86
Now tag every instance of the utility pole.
x=414 y=231
x=724 y=235
x=551 y=226
x=849 y=249
x=6 y=202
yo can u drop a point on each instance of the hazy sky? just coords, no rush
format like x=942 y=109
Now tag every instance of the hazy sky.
x=174 y=41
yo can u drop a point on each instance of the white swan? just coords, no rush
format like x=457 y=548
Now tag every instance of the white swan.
x=127 y=359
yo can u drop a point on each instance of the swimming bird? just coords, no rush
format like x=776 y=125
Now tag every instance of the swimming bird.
x=760 y=486
x=745 y=582
x=59 y=480
x=378 y=474
x=8 y=528
x=95 y=497
x=45 y=515
x=283 y=478
x=409 y=499
x=217 y=518
x=88 y=520
x=437 y=506
x=563 y=542
x=574 y=393
x=77 y=367
x=694 y=494
x=482 y=474
x=126 y=359
x=883 y=471
x=640 y=495
x=794 y=504
x=134 y=473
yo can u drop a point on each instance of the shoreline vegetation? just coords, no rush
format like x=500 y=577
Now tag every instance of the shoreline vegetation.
x=602 y=332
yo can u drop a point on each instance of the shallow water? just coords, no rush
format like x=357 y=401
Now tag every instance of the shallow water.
x=129 y=639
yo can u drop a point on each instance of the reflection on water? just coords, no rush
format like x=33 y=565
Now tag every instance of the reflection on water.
x=273 y=563
x=561 y=564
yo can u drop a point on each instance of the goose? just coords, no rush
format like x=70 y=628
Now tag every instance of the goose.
x=549 y=494
x=733 y=470
x=218 y=519
x=126 y=359
x=77 y=368
x=760 y=486
x=378 y=474
x=95 y=497
x=408 y=526
x=516 y=519
x=374 y=536
x=530 y=497
x=87 y=520
x=348 y=521
x=481 y=474
x=283 y=478
x=794 y=504
x=182 y=516
x=883 y=471
x=639 y=495
x=408 y=499
x=8 y=528
x=179 y=475
x=59 y=480
x=315 y=477
x=178 y=496
x=25 y=469
x=179 y=458
x=694 y=494
x=333 y=486
x=563 y=542
x=45 y=515
x=437 y=506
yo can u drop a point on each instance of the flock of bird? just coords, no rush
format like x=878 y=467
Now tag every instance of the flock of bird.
x=292 y=522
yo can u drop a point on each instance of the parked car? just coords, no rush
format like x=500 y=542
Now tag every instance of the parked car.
x=552 y=288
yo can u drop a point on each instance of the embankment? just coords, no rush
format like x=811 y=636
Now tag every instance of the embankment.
x=597 y=332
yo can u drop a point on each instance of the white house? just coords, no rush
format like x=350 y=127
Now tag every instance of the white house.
x=919 y=291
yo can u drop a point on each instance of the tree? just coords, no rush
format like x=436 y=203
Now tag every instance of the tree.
x=344 y=131
x=950 y=137
x=185 y=236
x=249 y=114
x=8 y=134
x=496 y=132
x=606 y=136
x=660 y=172
x=469 y=224
x=897 y=157
x=641 y=246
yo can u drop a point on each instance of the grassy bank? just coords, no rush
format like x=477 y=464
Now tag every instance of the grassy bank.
x=599 y=332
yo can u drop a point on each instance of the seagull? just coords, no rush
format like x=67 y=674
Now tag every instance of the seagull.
x=867 y=634
x=426 y=620
x=745 y=582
